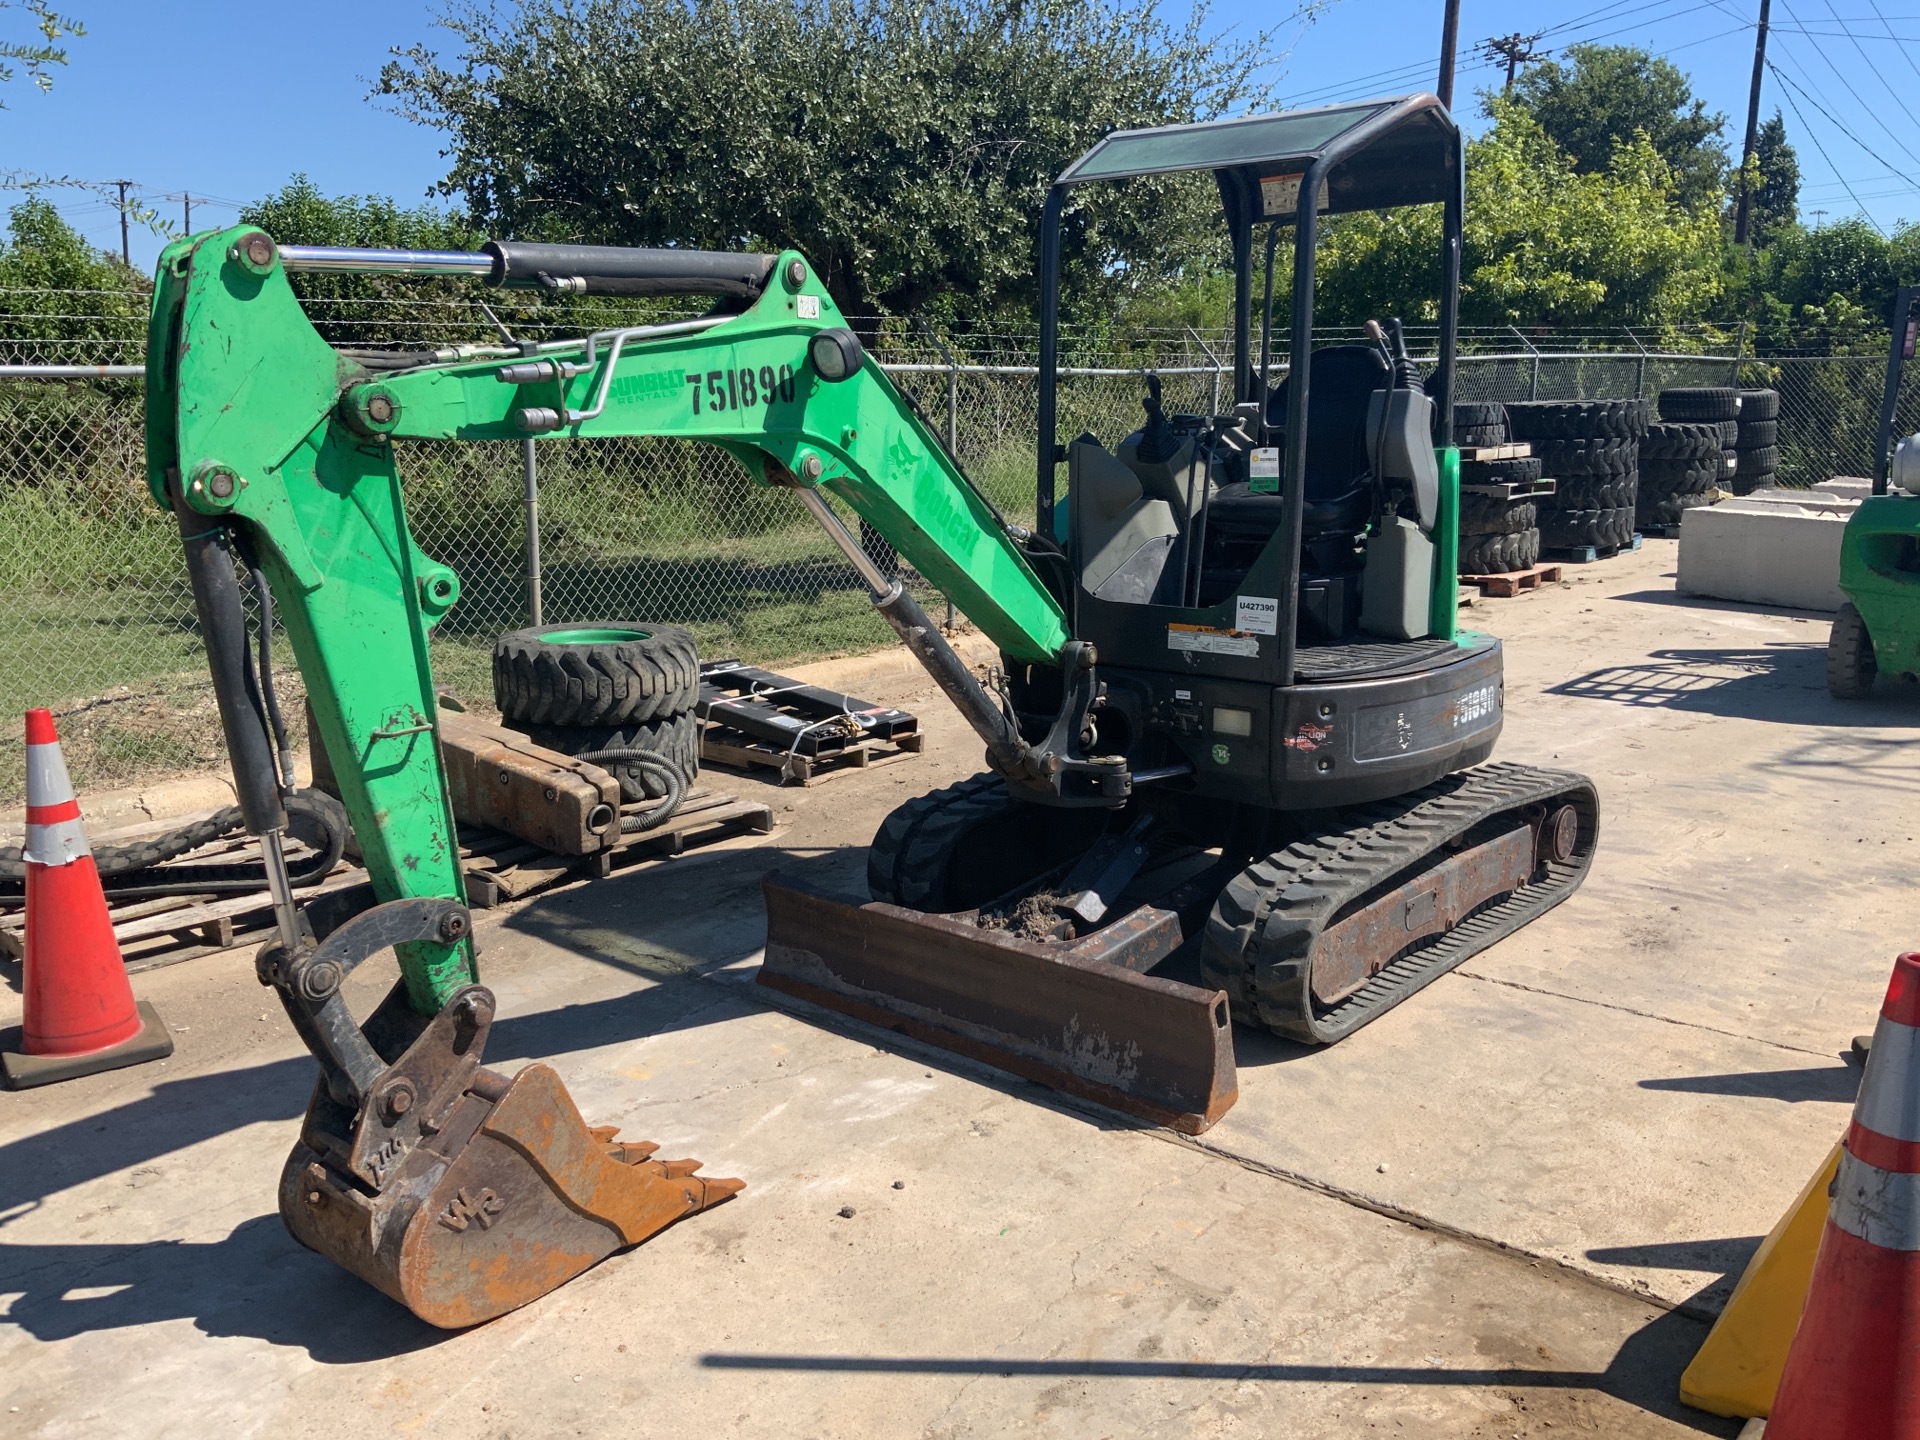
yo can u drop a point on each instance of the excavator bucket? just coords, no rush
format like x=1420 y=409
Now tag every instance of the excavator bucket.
x=1074 y=1014
x=460 y=1192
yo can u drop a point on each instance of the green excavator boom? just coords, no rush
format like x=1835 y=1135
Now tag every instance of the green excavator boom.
x=259 y=428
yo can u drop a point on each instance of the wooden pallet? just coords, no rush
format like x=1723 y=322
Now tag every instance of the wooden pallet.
x=1660 y=532
x=722 y=746
x=1512 y=489
x=751 y=717
x=498 y=867
x=1512 y=450
x=1588 y=554
x=1513 y=582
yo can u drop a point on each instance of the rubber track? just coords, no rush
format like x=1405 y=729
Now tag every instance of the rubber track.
x=922 y=827
x=1260 y=937
x=128 y=872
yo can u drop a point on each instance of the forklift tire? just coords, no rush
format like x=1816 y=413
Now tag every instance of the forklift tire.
x=1571 y=529
x=1521 y=470
x=1663 y=479
x=1729 y=431
x=596 y=672
x=1763 y=461
x=1757 y=434
x=1700 y=403
x=1576 y=419
x=1484 y=515
x=1499 y=554
x=1668 y=511
x=1480 y=415
x=1474 y=437
x=1851 y=667
x=1587 y=457
x=1597 y=492
x=675 y=739
x=1682 y=440
x=1759 y=405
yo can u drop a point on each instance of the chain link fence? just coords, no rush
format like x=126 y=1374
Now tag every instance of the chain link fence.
x=102 y=626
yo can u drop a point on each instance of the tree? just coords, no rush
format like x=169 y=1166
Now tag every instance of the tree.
x=1607 y=94
x=904 y=146
x=1546 y=242
x=1776 y=196
x=69 y=302
x=369 y=309
x=38 y=58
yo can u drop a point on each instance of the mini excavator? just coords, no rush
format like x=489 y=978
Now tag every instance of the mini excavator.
x=1232 y=705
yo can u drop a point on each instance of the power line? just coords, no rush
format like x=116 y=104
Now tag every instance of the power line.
x=1884 y=85
x=1814 y=136
x=1846 y=87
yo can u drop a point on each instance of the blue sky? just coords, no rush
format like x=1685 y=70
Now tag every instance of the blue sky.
x=191 y=98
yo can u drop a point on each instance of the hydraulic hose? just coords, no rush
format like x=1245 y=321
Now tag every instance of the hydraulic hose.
x=653 y=763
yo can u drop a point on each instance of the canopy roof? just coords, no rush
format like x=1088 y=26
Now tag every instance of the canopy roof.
x=1385 y=153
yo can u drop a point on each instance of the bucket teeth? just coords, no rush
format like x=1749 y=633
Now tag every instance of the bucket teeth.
x=532 y=1198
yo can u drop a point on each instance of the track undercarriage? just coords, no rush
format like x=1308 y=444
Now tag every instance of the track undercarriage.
x=980 y=939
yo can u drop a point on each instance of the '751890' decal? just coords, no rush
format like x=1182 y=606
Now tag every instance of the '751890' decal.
x=740 y=389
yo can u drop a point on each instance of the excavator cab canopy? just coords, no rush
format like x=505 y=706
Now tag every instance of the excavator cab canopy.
x=1277 y=170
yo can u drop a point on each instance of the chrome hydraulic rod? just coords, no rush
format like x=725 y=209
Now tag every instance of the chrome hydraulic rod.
x=1006 y=751
x=347 y=259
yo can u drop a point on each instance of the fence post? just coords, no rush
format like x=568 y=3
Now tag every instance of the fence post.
x=1639 y=365
x=953 y=406
x=1218 y=370
x=530 y=477
x=1533 y=384
x=1739 y=356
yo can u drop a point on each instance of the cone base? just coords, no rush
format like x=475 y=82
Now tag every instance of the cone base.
x=21 y=1071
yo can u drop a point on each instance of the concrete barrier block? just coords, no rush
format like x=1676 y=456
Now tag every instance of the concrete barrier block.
x=1783 y=549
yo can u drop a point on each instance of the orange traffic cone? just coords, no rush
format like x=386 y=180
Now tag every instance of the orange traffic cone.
x=80 y=1013
x=1853 y=1370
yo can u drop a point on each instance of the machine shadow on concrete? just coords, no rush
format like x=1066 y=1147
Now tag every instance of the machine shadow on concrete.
x=1644 y=1373
x=1785 y=684
x=256 y=1283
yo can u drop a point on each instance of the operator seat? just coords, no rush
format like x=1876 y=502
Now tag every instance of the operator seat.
x=1339 y=490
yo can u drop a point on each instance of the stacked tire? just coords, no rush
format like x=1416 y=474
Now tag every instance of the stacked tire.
x=1496 y=535
x=605 y=685
x=1715 y=405
x=1756 y=446
x=1680 y=468
x=1592 y=448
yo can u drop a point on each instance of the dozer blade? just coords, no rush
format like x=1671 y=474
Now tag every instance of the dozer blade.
x=456 y=1190
x=1074 y=1015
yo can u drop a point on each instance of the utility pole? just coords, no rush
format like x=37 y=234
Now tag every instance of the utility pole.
x=1449 y=42
x=1515 y=49
x=126 y=244
x=186 y=213
x=1753 y=126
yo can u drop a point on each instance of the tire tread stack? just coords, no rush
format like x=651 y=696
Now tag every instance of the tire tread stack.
x=1756 y=446
x=1497 y=536
x=625 y=694
x=1592 y=448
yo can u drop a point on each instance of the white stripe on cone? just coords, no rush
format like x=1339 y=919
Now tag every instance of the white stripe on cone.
x=58 y=844
x=1889 y=1107
x=1881 y=1207
x=47 y=781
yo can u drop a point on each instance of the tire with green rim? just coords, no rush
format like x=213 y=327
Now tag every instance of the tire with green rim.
x=595 y=672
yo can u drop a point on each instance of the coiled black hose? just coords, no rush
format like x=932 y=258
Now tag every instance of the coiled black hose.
x=653 y=763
